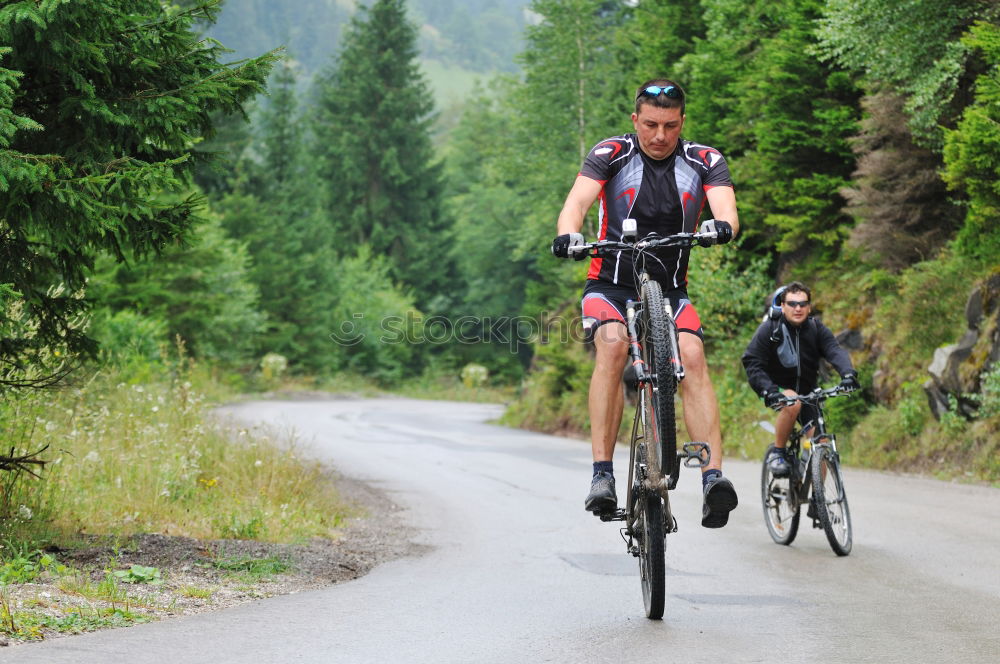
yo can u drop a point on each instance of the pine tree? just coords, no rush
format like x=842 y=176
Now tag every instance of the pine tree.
x=102 y=105
x=374 y=152
x=274 y=210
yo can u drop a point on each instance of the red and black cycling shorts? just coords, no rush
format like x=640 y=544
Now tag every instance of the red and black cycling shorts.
x=604 y=302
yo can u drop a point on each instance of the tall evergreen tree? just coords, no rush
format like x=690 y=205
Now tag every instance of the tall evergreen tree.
x=783 y=119
x=374 y=152
x=102 y=105
x=274 y=210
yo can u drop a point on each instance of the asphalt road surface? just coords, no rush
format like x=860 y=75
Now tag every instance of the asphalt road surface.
x=516 y=571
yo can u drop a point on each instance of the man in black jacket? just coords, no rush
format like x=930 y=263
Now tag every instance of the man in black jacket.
x=783 y=358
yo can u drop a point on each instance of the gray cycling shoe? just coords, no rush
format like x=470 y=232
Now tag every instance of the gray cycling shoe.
x=602 y=496
x=720 y=500
x=777 y=463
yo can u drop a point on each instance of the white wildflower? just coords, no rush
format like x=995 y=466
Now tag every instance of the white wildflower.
x=25 y=512
x=258 y=463
x=92 y=456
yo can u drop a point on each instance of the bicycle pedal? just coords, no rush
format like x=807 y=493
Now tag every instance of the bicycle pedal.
x=695 y=454
x=616 y=515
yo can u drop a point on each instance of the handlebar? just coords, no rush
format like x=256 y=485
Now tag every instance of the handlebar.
x=816 y=397
x=651 y=241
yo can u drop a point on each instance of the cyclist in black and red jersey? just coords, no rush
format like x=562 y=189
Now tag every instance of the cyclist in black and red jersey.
x=663 y=182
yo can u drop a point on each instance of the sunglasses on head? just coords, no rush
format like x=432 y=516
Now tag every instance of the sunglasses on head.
x=671 y=91
x=797 y=304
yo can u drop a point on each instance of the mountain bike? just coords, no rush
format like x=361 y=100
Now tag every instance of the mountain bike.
x=814 y=463
x=654 y=460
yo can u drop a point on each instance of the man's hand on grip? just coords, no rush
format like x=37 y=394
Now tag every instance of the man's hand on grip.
x=562 y=243
x=773 y=400
x=723 y=232
x=849 y=382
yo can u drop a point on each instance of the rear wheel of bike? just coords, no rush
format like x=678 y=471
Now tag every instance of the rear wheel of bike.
x=657 y=353
x=781 y=513
x=651 y=549
x=830 y=499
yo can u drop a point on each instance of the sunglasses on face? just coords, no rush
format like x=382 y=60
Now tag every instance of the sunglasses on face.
x=671 y=91
x=801 y=304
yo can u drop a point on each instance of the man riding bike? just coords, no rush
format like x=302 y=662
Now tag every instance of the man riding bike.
x=662 y=181
x=783 y=359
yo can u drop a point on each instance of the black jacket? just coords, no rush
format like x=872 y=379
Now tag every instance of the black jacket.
x=804 y=346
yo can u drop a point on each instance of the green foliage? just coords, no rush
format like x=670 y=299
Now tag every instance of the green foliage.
x=260 y=567
x=729 y=296
x=972 y=150
x=843 y=414
x=781 y=117
x=103 y=105
x=376 y=325
x=911 y=45
x=274 y=209
x=990 y=400
x=912 y=409
x=382 y=183
x=25 y=568
x=924 y=312
x=139 y=574
x=200 y=293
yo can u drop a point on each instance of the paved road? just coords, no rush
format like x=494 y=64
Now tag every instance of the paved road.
x=518 y=572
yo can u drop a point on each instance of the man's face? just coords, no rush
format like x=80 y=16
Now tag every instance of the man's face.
x=658 y=129
x=796 y=308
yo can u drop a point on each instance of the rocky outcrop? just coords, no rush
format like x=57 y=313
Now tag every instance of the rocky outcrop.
x=956 y=368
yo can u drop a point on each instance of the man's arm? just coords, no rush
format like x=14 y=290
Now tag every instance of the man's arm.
x=722 y=201
x=755 y=361
x=583 y=194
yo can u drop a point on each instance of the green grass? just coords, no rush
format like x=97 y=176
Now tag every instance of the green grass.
x=128 y=458
x=250 y=569
x=28 y=625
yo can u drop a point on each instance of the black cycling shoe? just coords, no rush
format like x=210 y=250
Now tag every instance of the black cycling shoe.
x=602 y=496
x=777 y=463
x=720 y=500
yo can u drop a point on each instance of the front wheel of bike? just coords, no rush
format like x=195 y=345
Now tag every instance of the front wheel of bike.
x=831 y=500
x=781 y=511
x=651 y=554
x=657 y=353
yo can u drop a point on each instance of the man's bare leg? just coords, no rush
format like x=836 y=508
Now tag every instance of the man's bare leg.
x=701 y=416
x=786 y=421
x=605 y=402
x=701 y=408
x=606 y=399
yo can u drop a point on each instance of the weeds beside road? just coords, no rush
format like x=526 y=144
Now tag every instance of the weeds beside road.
x=235 y=513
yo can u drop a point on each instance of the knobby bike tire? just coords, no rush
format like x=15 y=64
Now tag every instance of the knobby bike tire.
x=781 y=509
x=651 y=547
x=657 y=355
x=831 y=500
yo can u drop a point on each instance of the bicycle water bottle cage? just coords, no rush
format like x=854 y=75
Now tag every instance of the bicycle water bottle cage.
x=695 y=455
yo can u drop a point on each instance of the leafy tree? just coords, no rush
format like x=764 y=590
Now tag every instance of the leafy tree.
x=101 y=108
x=911 y=45
x=972 y=150
x=782 y=118
x=897 y=196
x=274 y=210
x=201 y=293
x=375 y=157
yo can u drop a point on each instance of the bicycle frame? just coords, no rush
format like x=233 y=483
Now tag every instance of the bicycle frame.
x=802 y=447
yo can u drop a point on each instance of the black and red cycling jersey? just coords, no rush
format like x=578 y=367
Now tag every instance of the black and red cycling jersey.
x=664 y=196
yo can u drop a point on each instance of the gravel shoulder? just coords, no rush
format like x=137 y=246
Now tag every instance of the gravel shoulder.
x=197 y=575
